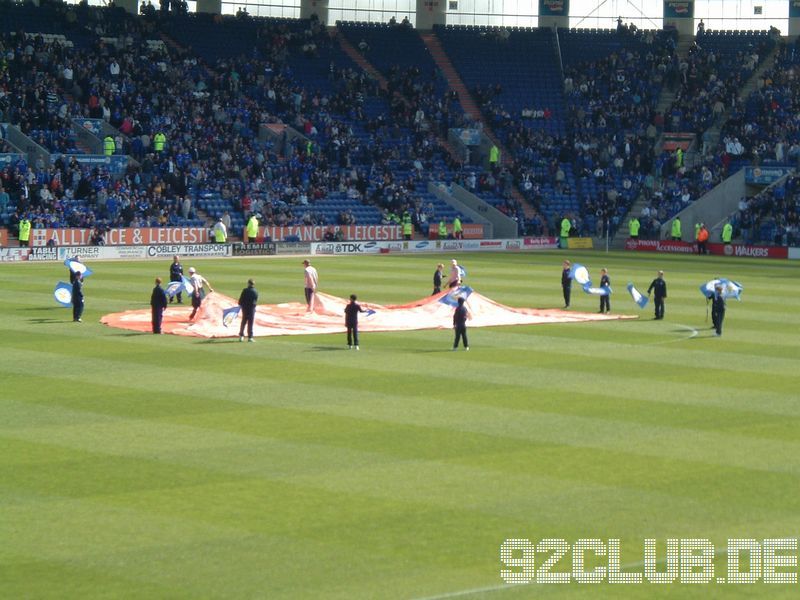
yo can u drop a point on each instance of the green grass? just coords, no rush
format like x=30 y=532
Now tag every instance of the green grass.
x=134 y=465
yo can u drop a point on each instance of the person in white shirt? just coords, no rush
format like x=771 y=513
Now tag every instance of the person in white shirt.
x=311 y=279
x=198 y=285
x=455 y=274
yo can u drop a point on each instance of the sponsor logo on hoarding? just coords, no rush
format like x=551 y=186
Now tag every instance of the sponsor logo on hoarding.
x=43 y=254
x=122 y=236
x=254 y=249
x=13 y=254
x=749 y=251
x=422 y=245
x=189 y=250
x=306 y=233
x=491 y=243
x=661 y=246
x=513 y=245
x=452 y=245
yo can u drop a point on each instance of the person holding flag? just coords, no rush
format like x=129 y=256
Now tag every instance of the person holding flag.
x=455 y=274
x=605 y=299
x=351 y=321
x=176 y=274
x=73 y=273
x=311 y=280
x=198 y=292
x=247 y=302
x=77 y=298
x=158 y=304
x=718 y=310
x=566 y=282
x=659 y=286
x=437 y=279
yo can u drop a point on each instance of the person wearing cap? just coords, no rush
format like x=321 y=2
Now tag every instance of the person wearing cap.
x=247 y=302
x=176 y=274
x=220 y=232
x=198 y=290
x=659 y=286
x=158 y=304
x=455 y=275
x=311 y=280
x=566 y=282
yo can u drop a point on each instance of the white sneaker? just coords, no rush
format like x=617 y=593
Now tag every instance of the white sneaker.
x=241 y=338
x=466 y=349
x=250 y=340
x=356 y=347
x=349 y=347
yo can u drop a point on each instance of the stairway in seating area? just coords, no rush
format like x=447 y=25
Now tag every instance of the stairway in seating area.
x=362 y=62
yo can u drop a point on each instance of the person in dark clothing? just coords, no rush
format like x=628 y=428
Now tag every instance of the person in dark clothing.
x=351 y=321
x=158 y=304
x=460 y=316
x=437 y=279
x=718 y=310
x=247 y=302
x=605 y=282
x=659 y=286
x=176 y=274
x=566 y=282
x=77 y=298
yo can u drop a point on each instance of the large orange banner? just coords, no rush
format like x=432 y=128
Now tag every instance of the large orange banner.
x=316 y=233
x=122 y=236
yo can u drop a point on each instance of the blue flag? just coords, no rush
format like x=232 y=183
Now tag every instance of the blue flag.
x=76 y=266
x=637 y=296
x=730 y=289
x=229 y=315
x=63 y=293
x=596 y=291
x=451 y=297
x=580 y=274
x=462 y=272
x=369 y=312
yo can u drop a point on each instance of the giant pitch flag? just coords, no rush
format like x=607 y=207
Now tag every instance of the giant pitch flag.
x=637 y=296
x=291 y=318
x=596 y=291
x=730 y=289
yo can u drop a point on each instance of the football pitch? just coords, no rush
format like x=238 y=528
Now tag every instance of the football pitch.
x=147 y=466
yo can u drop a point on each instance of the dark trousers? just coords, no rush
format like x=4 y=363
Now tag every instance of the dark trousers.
x=659 y=305
x=248 y=316
x=77 y=308
x=157 y=316
x=567 y=291
x=352 y=335
x=197 y=300
x=702 y=248
x=436 y=290
x=718 y=317
x=605 y=304
x=461 y=333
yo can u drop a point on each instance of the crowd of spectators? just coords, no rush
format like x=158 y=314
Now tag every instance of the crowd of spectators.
x=771 y=217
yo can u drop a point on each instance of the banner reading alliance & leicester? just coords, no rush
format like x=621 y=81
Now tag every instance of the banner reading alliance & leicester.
x=316 y=233
x=122 y=236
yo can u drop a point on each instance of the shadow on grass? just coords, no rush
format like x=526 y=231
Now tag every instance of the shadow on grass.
x=41 y=308
x=43 y=320
x=327 y=348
